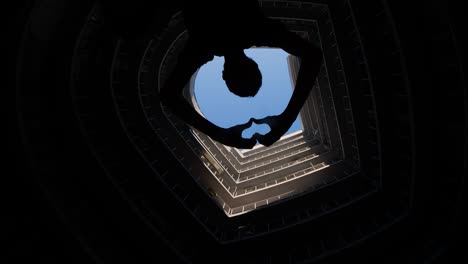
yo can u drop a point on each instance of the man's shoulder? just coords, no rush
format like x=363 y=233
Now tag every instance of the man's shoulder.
x=267 y=29
x=196 y=48
x=273 y=24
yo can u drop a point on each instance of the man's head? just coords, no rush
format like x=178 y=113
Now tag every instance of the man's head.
x=241 y=74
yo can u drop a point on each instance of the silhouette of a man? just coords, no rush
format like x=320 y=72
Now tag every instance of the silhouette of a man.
x=226 y=28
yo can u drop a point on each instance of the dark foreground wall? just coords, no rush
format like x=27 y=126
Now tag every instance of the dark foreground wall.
x=64 y=203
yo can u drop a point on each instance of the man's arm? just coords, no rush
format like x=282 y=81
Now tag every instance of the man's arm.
x=171 y=96
x=171 y=93
x=311 y=60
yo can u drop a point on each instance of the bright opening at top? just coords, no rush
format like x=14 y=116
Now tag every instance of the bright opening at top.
x=225 y=109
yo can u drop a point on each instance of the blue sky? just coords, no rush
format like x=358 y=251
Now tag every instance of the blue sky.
x=225 y=109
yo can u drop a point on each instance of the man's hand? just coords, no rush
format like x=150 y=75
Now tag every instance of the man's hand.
x=233 y=136
x=279 y=125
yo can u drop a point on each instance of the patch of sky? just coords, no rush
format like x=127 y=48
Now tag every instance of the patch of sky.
x=225 y=109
